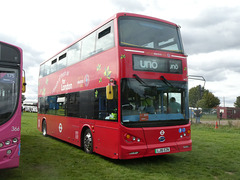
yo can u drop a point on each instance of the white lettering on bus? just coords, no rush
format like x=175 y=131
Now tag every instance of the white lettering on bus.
x=15 y=128
x=148 y=64
x=66 y=87
x=64 y=74
x=174 y=66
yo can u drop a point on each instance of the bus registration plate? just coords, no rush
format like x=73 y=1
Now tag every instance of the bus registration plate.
x=162 y=150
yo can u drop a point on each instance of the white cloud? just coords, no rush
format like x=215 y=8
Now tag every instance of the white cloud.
x=221 y=70
x=210 y=32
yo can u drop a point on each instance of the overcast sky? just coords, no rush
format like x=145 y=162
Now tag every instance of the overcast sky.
x=210 y=32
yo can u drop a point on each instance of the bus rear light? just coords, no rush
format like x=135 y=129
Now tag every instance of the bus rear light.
x=7 y=142
x=128 y=136
x=1 y=145
x=15 y=140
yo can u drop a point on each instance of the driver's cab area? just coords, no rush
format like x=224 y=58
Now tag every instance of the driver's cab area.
x=152 y=100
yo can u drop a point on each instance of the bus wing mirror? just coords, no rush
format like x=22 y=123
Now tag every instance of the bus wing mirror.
x=23 y=85
x=109 y=92
x=24 y=82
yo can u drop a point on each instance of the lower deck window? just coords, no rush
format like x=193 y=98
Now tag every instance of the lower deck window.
x=90 y=104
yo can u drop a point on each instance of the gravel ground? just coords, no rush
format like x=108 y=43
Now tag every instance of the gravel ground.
x=222 y=122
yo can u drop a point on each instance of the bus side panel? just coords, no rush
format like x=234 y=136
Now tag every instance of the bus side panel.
x=106 y=139
x=66 y=129
x=62 y=127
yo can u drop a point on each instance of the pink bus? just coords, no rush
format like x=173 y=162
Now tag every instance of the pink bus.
x=10 y=104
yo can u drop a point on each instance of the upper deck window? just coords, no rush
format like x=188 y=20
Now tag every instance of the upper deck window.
x=98 y=41
x=9 y=54
x=146 y=33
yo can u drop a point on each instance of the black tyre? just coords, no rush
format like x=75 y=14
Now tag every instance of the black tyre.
x=44 y=128
x=88 y=142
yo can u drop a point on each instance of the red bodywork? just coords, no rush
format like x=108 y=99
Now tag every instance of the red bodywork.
x=109 y=138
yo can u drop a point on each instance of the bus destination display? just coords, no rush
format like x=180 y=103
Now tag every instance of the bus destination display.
x=157 y=64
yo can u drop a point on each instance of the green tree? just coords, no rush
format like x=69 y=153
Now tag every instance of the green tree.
x=237 y=102
x=207 y=100
x=195 y=95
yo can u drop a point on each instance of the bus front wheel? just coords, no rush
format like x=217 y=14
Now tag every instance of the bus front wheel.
x=88 y=142
x=44 y=128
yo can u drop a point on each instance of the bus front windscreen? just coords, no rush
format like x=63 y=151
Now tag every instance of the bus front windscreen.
x=148 y=102
x=145 y=33
x=9 y=82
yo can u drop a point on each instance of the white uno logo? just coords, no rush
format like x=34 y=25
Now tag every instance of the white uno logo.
x=174 y=66
x=148 y=64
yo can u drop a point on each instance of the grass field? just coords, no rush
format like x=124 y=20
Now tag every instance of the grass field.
x=215 y=155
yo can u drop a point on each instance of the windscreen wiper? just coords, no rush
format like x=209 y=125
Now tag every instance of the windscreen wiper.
x=169 y=84
x=139 y=80
x=166 y=81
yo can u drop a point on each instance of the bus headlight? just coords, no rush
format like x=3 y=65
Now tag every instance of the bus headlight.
x=15 y=140
x=7 y=142
x=9 y=151
x=1 y=145
x=130 y=138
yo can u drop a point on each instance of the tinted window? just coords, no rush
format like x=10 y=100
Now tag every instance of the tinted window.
x=90 y=104
x=105 y=109
x=145 y=33
x=73 y=104
x=73 y=54
x=41 y=105
x=41 y=71
x=53 y=65
x=96 y=42
x=88 y=46
x=87 y=104
x=105 y=38
x=56 y=105
x=154 y=100
x=9 y=53
x=62 y=61
x=9 y=87
x=47 y=68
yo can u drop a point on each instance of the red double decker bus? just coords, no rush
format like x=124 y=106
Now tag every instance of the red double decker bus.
x=10 y=104
x=120 y=91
